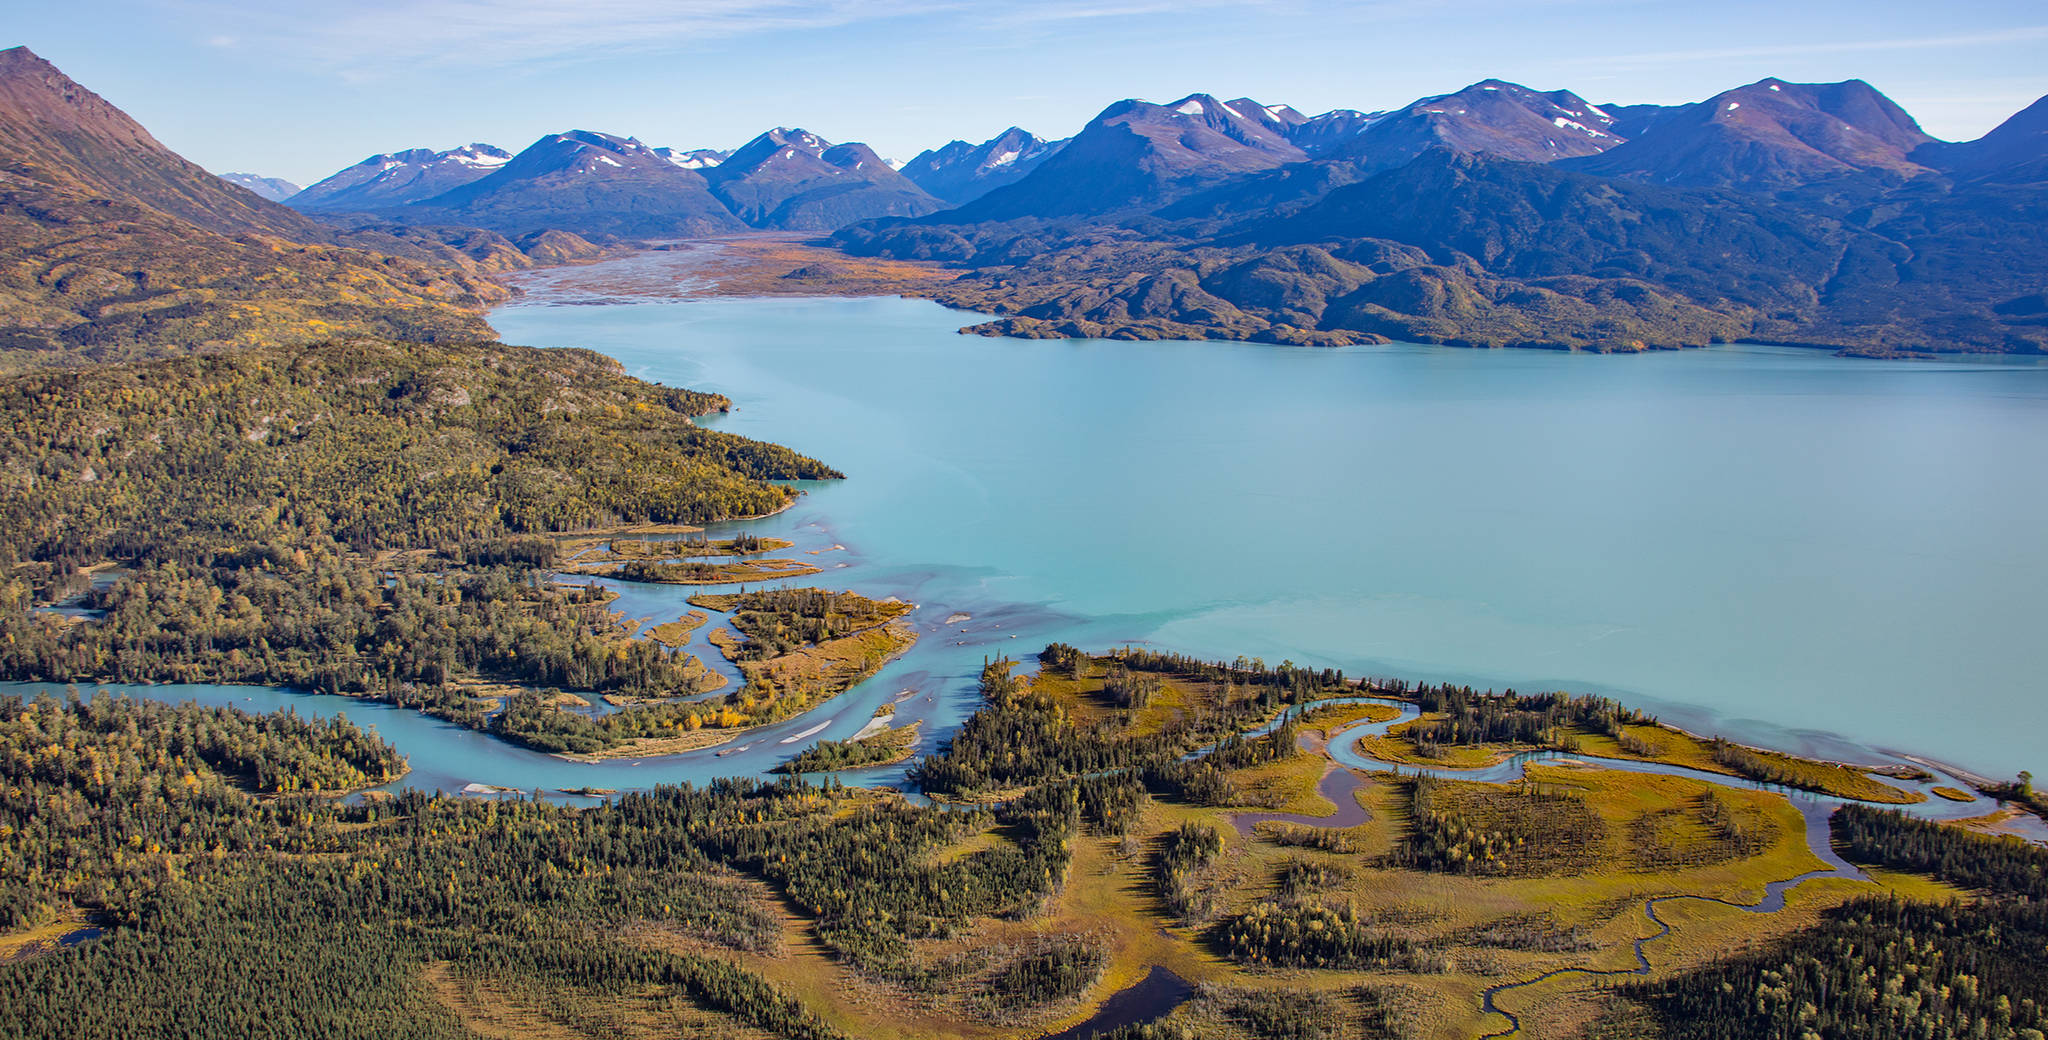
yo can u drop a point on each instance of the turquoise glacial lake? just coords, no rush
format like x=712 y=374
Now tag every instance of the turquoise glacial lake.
x=1824 y=555
x=1815 y=553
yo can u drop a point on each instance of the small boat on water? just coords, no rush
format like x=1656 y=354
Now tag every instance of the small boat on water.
x=734 y=750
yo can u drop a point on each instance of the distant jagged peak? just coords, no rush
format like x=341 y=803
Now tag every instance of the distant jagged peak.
x=590 y=183
x=1855 y=104
x=1490 y=117
x=1216 y=113
x=1774 y=134
x=400 y=178
x=960 y=171
x=481 y=156
x=692 y=158
x=1277 y=116
x=1199 y=105
x=1320 y=133
x=1007 y=148
x=793 y=140
x=853 y=155
x=791 y=178
x=276 y=189
x=1202 y=111
x=1562 y=108
x=588 y=152
x=600 y=140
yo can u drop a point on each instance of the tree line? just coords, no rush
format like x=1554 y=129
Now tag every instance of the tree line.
x=1885 y=968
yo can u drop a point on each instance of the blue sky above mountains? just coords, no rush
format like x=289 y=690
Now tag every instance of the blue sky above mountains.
x=298 y=91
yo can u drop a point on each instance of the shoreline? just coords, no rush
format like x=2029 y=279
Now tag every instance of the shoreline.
x=1845 y=736
x=741 y=267
x=1976 y=779
x=1496 y=754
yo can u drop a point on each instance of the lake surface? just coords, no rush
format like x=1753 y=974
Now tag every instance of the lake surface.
x=1787 y=548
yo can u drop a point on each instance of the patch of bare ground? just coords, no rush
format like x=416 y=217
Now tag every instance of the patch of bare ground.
x=759 y=264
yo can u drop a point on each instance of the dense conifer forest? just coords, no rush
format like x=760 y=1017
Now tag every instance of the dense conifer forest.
x=133 y=810
x=235 y=889
x=359 y=518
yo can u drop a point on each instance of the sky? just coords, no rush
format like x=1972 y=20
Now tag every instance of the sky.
x=300 y=90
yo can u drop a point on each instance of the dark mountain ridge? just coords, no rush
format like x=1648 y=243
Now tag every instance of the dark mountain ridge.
x=1772 y=134
x=796 y=180
x=588 y=183
x=395 y=179
x=959 y=172
x=2015 y=151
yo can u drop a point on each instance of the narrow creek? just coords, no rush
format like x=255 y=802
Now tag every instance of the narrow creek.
x=1340 y=786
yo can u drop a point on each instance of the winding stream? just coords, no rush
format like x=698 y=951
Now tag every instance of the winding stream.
x=1817 y=838
x=1814 y=809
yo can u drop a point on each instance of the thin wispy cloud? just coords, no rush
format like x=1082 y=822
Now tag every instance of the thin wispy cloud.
x=364 y=38
x=1034 y=14
x=2020 y=34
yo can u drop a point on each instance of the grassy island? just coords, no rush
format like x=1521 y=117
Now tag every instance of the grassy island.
x=676 y=633
x=805 y=646
x=1464 y=729
x=694 y=572
x=885 y=747
x=797 y=649
x=681 y=560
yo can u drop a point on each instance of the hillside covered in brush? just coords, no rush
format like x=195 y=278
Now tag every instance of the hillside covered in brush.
x=113 y=246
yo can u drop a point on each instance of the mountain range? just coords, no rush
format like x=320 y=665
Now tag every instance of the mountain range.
x=796 y=180
x=608 y=186
x=589 y=183
x=959 y=172
x=399 y=178
x=1816 y=214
